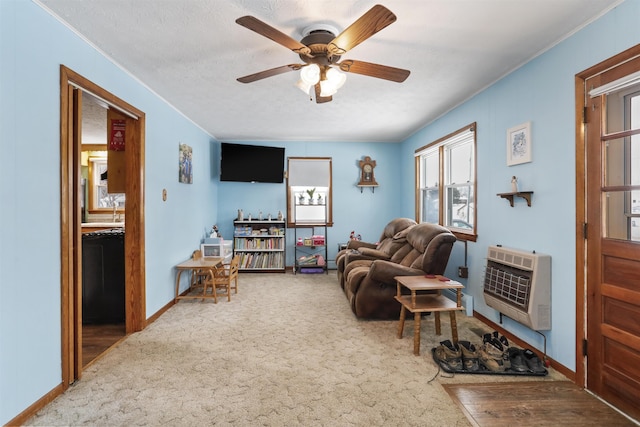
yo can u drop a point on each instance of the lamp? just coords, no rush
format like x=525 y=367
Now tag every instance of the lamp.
x=309 y=76
x=330 y=79
x=334 y=81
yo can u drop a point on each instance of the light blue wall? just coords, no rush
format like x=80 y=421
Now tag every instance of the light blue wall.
x=542 y=92
x=32 y=47
x=365 y=212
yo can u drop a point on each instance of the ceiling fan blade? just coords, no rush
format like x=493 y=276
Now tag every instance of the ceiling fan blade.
x=269 y=32
x=377 y=18
x=321 y=99
x=269 y=73
x=374 y=70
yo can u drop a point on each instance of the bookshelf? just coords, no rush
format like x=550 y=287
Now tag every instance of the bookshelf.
x=260 y=244
x=310 y=238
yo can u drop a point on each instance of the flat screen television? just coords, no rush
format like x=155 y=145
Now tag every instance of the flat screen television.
x=251 y=163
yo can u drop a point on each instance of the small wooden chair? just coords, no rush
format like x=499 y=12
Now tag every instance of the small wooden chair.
x=198 y=276
x=223 y=278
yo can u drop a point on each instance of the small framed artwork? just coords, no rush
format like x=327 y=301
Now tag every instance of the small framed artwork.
x=519 y=144
x=185 y=162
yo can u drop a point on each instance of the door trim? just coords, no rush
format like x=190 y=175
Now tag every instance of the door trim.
x=70 y=227
x=581 y=202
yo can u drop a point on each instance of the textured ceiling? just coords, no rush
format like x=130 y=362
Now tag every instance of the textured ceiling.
x=190 y=52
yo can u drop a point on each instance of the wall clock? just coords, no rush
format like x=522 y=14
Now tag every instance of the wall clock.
x=366 y=172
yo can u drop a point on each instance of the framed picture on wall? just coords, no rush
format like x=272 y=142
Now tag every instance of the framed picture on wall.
x=185 y=164
x=519 y=144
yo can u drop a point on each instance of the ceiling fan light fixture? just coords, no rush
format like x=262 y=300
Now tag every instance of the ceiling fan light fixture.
x=333 y=81
x=304 y=86
x=327 y=88
x=310 y=74
x=336 y=77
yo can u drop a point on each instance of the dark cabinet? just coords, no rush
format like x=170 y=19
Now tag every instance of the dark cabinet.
x=103 y=277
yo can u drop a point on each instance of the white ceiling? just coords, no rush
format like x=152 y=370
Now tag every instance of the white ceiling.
x=190 y=52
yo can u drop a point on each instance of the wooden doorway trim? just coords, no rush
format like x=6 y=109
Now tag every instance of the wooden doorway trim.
x=581 y=201
x=70 y=223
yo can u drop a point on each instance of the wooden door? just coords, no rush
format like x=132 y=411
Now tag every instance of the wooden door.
x=612 y=147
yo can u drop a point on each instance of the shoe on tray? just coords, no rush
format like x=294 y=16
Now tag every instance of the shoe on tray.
x=493 y=355
x=517 y=360
x=450 y=355
x=470 y=356
x=502 y=339
x=534 y=364
x=490 y=359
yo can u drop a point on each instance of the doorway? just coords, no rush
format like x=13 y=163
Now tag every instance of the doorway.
x=72 y=85
x=608 y=207
x=103 y=218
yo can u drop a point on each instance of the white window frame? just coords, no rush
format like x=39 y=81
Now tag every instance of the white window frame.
x=442 y=150
x=305 y=173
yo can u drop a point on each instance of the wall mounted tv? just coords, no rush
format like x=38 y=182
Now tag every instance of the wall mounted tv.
x=251 y=163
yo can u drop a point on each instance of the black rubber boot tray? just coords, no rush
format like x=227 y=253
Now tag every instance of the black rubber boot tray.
x=484 y=371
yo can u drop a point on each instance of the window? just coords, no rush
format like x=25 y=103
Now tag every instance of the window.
x=99 y=197
x=309 y=186
x=621 y=176
x=446 y=182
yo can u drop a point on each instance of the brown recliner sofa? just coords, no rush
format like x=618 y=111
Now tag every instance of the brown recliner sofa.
x=371 y=288
x=384 y=249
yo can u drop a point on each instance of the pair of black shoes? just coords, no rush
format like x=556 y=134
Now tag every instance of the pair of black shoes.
x=525 y=361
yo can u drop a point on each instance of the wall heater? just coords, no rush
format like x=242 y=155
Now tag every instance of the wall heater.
x=518 y=284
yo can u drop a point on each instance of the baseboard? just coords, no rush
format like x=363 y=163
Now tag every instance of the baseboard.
x=24 y=416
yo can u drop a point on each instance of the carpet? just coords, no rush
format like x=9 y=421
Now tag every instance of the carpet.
x=286 y=351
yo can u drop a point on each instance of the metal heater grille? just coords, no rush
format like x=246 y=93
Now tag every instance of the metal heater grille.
x=512 y=287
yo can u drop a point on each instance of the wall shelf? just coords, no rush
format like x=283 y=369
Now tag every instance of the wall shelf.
x=510 y=196
x=362 y=187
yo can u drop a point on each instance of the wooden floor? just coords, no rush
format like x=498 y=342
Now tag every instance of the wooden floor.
x=96 y=339
x=532 y=403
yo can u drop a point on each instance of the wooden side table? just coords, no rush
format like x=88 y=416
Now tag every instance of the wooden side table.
x=433 y=302
x=201 y=264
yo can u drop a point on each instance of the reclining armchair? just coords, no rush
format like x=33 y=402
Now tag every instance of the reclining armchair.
x=384 y=249
x=370 y=289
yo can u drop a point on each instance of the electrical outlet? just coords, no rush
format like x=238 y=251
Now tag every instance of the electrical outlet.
x=463 y=272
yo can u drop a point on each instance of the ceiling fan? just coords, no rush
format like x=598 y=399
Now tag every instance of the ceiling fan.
x=320 y=50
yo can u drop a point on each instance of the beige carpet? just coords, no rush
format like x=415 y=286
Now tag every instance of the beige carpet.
x=285 y=351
